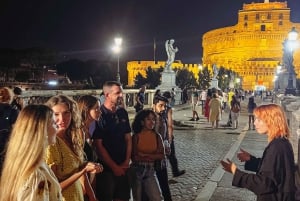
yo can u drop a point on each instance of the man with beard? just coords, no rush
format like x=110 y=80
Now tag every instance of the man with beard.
x=161 y=126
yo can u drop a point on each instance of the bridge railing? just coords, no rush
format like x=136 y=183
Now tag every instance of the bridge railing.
x=41 y=96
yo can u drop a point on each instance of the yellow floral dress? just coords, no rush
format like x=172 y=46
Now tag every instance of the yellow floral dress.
x=67 y=164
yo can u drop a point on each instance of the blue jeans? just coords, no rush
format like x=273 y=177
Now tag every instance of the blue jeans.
x=145 y=181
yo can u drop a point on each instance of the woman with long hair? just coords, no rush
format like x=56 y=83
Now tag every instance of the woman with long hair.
x=275 y=171
x=89 y=107
x=66 y=157
x=25 y=175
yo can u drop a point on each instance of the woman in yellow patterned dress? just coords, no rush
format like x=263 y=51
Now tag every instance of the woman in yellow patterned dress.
x=66 y=157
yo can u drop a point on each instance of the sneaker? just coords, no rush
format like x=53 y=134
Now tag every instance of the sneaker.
x=179 y=173
x=192 y=119
x=197 y=119
x=172 y=181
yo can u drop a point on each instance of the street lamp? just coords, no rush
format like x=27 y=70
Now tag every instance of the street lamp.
x=289 y=47
x=117 y=49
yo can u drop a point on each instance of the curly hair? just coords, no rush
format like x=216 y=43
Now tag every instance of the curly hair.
x=274 y=117
x=137 y=124
x=73 y=132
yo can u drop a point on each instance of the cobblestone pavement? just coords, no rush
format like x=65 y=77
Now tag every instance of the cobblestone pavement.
x=199 y=150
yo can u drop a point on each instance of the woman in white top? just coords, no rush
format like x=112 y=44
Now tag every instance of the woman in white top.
x=25 y=175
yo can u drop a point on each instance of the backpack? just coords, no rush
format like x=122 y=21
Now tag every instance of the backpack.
x=235 y=108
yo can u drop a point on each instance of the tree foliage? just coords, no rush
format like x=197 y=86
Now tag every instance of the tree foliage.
x=204 y=78
x=152 y=79
x=185 y=78
x=139 y=81
x=223 y=78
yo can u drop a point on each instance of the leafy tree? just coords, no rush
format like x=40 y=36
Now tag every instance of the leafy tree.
x=223 y=78
x=204 y=78
x=153 y=77
x=185 y=78
x=139 y=81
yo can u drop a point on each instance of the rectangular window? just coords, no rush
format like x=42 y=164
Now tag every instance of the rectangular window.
x=263 y=27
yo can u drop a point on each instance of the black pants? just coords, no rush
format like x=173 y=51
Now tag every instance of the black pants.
x=162 y=176
x=172 y=158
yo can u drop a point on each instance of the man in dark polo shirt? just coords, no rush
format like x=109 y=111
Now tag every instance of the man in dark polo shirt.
x=112 y=138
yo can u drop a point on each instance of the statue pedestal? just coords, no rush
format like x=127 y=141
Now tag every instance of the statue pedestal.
x=214 y=83
x=168 y=78
x=168 y=81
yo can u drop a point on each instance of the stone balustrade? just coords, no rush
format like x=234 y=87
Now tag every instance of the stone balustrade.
x=41 y=96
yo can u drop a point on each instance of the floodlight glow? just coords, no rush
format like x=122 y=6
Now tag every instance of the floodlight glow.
x=52 y=83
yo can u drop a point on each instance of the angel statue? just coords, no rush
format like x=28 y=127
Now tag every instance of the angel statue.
x=215 y=71
x=171 y=51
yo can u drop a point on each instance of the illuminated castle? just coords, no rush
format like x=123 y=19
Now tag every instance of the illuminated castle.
x=253 y=47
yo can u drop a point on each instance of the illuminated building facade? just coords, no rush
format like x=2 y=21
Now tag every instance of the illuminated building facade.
x=253 y=47
x=135 y=67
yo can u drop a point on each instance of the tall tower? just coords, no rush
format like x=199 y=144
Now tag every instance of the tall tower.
x=252 y=47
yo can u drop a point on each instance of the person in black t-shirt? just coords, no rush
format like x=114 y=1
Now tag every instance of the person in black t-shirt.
x=112 y=138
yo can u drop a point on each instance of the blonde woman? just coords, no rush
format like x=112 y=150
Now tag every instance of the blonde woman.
x=66 y=156
x=25 y=175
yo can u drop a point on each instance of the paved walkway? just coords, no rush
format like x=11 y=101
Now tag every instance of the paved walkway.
x=199 y=149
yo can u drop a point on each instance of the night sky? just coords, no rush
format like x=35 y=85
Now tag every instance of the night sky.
x=85 y=29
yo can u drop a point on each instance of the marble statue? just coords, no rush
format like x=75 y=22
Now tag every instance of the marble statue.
x=215 y=71
x=171 y=51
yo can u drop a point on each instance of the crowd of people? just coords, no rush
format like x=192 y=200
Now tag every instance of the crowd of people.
x=215 y=103
x=88 y=150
